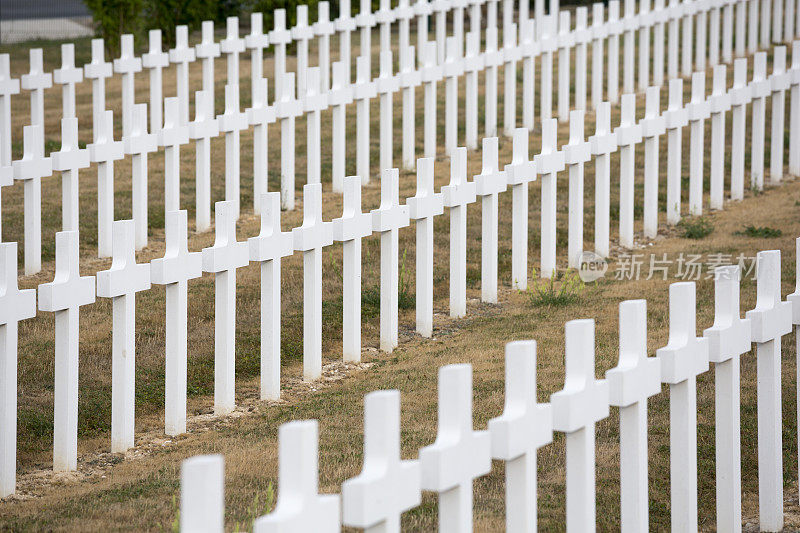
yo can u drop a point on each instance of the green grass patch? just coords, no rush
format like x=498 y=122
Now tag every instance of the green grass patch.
x=763 y=232
x=696 y=228
x=558 y=291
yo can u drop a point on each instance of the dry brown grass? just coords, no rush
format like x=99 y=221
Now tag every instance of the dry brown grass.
x=136 y=494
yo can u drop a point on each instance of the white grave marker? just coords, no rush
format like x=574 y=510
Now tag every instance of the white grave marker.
x=311 y=238
x=203 y=494
x=17 y=305
x=279 y=37
x=719 y=103
x=646 y=19
x=232 y=46
x=488 y=185
x=582 y=403
x=603 y=143
x=139 y=143
x=674 y=12
x=549 y=162
x=770 y=320
x=339 y=96
x=365 y=20
x=260 y=116
x=548 y=42
x=794 y=110
x=128 y=65
x=582 y=37
x=69 y=160
x=675 y=118
x=683 y=358
x=687 y=35
x=779 y=81
x=181 y=56
x=31 y=169
x=174 y=271
x=36 y=81
x=630 y=23
x=431 y=73
x=422 y=208
x=456 y=196
x=232 y=122
x=697 y=111
x=256 y=41
x=104 y=151
x=156 y=60
x=653 y=127
x=206 y=51
x=660 y=18
x=64 y=296
x=223 y=259
x=409 y=78
x=349 y=229
x=268 y=248
x=615 y=28
x=204 y=128
x=741 y=95
x=524 y=427
x=635 y=378
x=530 y=49
x=300 y=507
x=171 y=137
x=760 y=87
x=9 y=86
x=68 y=76
x=511 y=55
x=323 y=29
x=287 y=108
x=363 y=90
x=301 y=34
x=728 y=339
x=492 y=58
x=121 y=282
x=97 y=71
x=629 y=133
x=314 y=102
x=566 y=40
x=387 y=485
x=459 y=455
x=452 y=68
x=576 y=154
x=599 y=34
x=519 y=173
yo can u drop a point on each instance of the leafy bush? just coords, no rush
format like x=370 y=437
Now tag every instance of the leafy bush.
x=696 y=228
x=115 y=18
x=556 y=291
x=763 y=232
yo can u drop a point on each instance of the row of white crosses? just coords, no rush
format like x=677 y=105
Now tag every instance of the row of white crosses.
x=389 y=486
x=313 y=101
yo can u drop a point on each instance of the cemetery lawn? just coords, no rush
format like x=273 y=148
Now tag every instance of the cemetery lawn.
x=139 y=491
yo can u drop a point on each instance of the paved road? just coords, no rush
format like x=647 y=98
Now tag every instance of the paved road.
x=41 y=9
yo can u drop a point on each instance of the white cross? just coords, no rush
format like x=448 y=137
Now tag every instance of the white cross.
x=635 y=379
x=520 y=172
x=422 y=207
x=69 y=160
x=440 y=7
x=232 y=45
x=139 y=143
x=121 y=282
x=431 y=72
x=511 y=55
x=15 y=305
x=171 y=137
x=97 y=71
x=31 y=169
x=770 y=320
x=473 y=64
x=287 y=107
x=683 y=358
x=456 y=196
x=409 y=78
x=630 y=23
x=267 y=248
x=68 y=76
x=422 y=10
x=203 y=493
x=223 y=259
x=576 y=154
x=492 y=58
x=760 y=89
x=232 y=122
x=599 y=34
x=36 y=81
x=728 y=339
x=204 y=128
x=363 y=91
x=345 y=25
x=340 y=94
x=64 y=296
x=302 y=33
x=323 y=29
x=387 y=220
x=719 y=102
x=386 y=85
x=260 y=116
x=385 y=16
x=256 y=41
x=314 y=102
x=155 y=60
x=523 y=428
x=279 y=37
x=349 y=229
x=794 y=121
x=488 y=185
x=387 y=485
x=740 y=95
x=181 y=56
x=548 y=42
x=311 y=238
x=577 y=408
x=8 y=86
x=660 y=16
x=697 y=111
x=629 y=134
x=452 y=68
x=206 y=51
x=603 y=143
x=675 y=118
x=530 y=50
x=583 y=34
x=614 y=27
x=365 y=20
x=548 y=164
x=459 y=455
x=795 y=296
x=779 y=83
x=300 y=507
x=653 y=126
x=566 y=40
x=174 y=270
x=128 y=65
x=104 y=151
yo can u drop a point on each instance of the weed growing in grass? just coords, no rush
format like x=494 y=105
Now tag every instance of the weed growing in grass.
x=696 y=228
x=371 y=296
x=257 y=509
x=763 y=232
x=556 y=291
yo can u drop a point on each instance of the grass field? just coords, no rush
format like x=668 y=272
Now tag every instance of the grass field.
x=137 y=493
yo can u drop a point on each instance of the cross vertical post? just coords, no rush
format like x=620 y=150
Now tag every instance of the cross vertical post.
x=549 y=162
x=128 y=65
x=653 y=127
x=519 y=173
x=740 y=96
x=156 y=60
x=104 y=151
x=68 y=76
x=202 y=129
x=181 y=56
x=69 y=160
x=232 y=122
x=576 y=154
x=697 y=111
x=719 y=103
x=675 y=118
x=488 y=185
